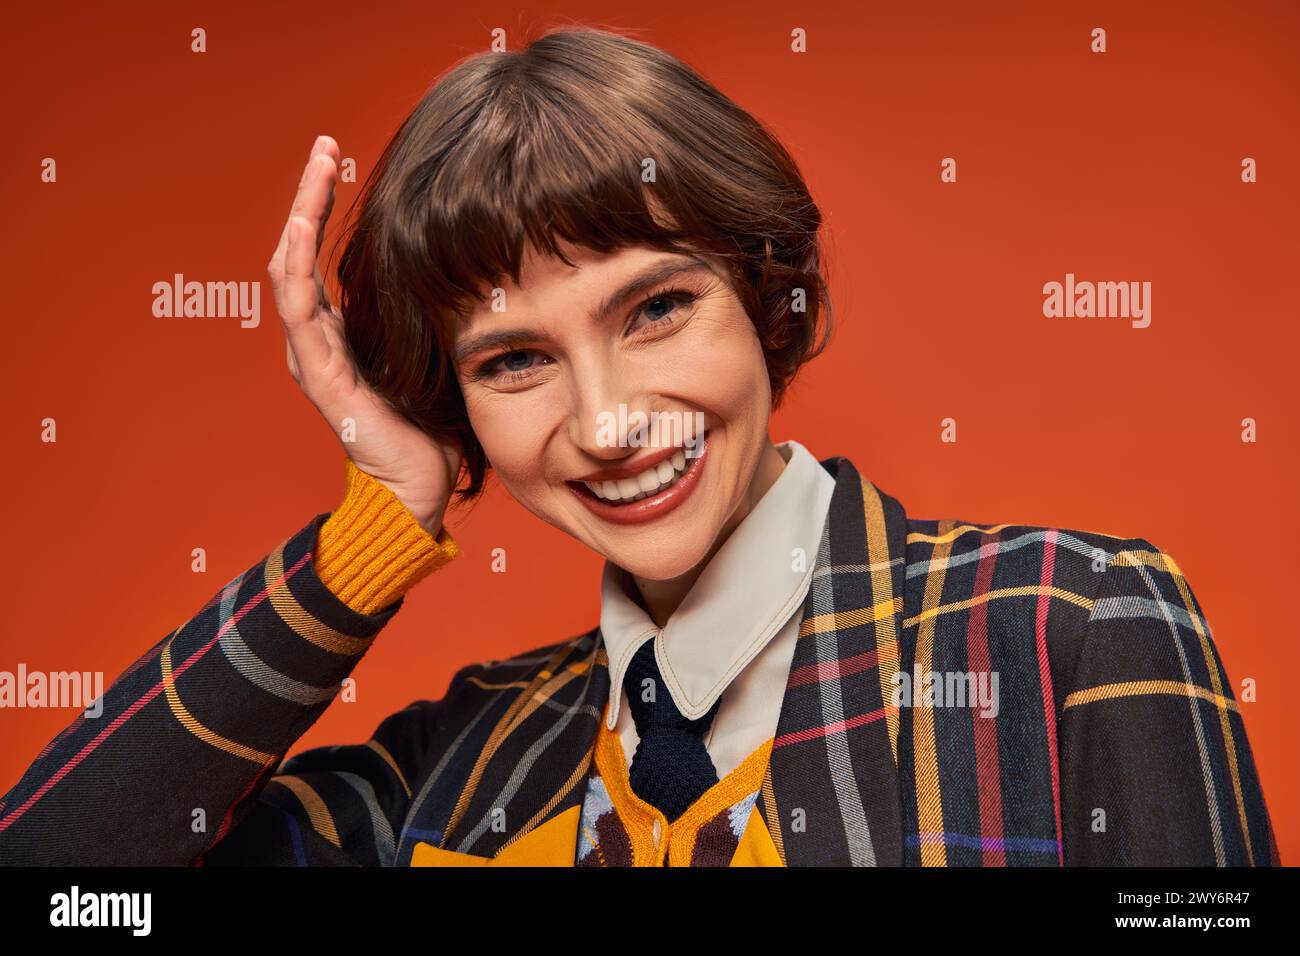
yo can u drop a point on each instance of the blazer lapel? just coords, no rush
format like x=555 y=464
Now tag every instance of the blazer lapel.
x=534 y=766
x=831 y=796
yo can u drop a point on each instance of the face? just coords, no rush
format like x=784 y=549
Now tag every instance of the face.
x=624 y=401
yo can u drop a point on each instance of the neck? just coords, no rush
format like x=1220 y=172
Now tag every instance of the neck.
x=661 y=598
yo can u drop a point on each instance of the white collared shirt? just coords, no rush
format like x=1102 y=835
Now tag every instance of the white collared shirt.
x=736 y=628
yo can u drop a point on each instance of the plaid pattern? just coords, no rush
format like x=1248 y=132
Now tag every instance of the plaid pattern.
x=1117 y=739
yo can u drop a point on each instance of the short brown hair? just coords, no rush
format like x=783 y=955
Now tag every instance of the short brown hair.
x=520 y=147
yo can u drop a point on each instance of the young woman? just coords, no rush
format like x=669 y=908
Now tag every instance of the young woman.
x=584 y=266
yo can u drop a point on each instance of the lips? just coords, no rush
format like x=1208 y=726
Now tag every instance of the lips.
x=644 y=483
x=653 y=492
x=631 y=471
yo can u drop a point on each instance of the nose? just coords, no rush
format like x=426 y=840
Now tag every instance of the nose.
x=611 y=414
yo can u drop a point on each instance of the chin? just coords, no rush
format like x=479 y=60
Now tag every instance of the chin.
x=661 y=568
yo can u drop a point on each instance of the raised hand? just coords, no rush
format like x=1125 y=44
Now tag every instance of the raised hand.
x=420 y=471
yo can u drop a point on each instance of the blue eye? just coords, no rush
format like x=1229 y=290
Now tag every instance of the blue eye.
x=514 y=355
x=670 y=299
x=664 y=309
x=514 y=365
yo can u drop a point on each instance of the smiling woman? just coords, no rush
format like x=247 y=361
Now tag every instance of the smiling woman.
x=584 y=268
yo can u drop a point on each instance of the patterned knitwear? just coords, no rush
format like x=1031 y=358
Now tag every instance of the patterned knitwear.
x=371 y=550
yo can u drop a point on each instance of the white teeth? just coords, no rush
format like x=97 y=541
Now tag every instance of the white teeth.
x=651 y=481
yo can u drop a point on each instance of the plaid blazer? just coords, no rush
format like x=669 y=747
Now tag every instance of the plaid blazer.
x=1117 y=738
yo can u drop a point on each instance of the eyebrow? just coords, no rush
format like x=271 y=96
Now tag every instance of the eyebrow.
x=652 y=275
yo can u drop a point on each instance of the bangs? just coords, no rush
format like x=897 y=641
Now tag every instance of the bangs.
x=535 y=171
x=596 y=148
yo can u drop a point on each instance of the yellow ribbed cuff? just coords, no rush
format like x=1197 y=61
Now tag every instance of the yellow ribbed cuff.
x=371 y=550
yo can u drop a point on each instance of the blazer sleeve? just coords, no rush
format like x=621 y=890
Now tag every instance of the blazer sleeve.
x=185 y=752
x=1156 y=769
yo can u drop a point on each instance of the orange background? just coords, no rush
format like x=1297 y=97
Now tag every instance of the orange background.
x=183 y=433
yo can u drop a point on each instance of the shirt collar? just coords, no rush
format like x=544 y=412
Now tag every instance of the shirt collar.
x=740 y=601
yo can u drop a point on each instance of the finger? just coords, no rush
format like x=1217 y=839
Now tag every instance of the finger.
x=277 y=268
x=308 y=201
x=332 y=175
x=300 y=299
x=277 y=257
x=314 y=198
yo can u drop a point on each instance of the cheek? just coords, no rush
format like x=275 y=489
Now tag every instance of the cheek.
x=720 y=365
x=512 y=434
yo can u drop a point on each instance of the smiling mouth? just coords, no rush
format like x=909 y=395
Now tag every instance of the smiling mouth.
x=650 y=493
x=653 y=480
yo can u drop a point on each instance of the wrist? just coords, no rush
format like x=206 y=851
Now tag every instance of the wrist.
x=428 y=517
x=371 y=549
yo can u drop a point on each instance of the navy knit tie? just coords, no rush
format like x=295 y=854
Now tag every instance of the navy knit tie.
x=671 y=767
